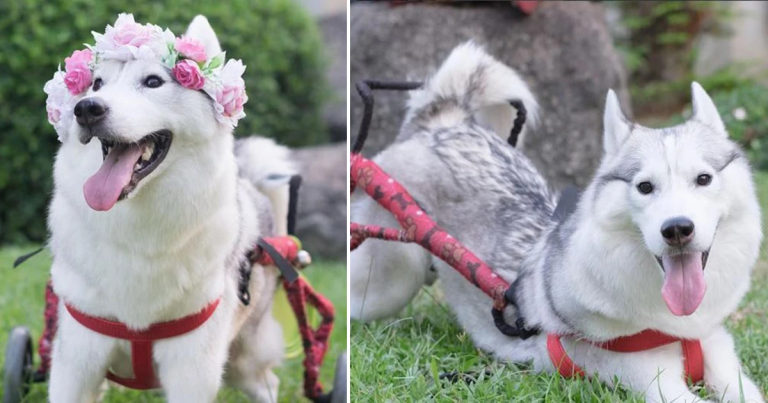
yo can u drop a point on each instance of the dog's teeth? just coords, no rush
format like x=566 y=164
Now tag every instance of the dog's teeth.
x=147 y=153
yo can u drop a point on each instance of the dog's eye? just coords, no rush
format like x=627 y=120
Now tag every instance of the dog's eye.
x=153 y=81
x=645 y=188
x=704 y=179
x=97 y=83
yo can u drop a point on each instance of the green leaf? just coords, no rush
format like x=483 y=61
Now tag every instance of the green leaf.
x=215 y=62
x=433 y=369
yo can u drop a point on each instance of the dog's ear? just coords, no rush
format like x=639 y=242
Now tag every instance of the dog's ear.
x=201 y=30
x=704 y=110
x=615 y=125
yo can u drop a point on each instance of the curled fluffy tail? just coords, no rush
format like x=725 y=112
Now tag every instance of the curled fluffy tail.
x=472 y=83
x=269 y=167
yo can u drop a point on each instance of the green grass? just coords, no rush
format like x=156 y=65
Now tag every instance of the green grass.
x=401 y=359
x=21 y=303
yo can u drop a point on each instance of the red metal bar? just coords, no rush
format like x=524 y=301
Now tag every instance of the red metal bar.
x=300 y=294
x=45 y=345
x=361 y=232
x=315 y=341
x=419 y=227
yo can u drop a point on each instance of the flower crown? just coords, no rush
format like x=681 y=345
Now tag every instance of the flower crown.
x=128 y=40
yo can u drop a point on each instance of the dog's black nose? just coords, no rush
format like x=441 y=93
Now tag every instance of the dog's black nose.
x=677 y=231
x=90 y=111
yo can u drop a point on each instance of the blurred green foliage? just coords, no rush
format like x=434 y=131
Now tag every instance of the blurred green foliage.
x=654 y=28
x=723 y=80
x=276 y=39
x=743 y=106
x=744 y=110
x=657 y=44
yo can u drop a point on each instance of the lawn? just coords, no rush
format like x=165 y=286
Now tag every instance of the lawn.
x=21 y=303
x=402 y=359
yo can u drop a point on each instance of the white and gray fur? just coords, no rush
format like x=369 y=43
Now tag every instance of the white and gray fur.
x=175 y=244
x=593 y=275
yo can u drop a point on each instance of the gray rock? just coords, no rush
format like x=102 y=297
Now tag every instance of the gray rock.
x=334 y=31
x=564 y=51
x=321 y=221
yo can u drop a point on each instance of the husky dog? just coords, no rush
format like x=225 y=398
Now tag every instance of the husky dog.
x=664 y=237
x=181 y=214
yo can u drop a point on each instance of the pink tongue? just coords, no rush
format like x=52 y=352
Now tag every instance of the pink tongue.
x=103 y=188
x=684 y=284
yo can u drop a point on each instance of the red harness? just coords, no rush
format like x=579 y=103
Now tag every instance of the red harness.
x=693 y=358
x=141 y=341
x=282 y=251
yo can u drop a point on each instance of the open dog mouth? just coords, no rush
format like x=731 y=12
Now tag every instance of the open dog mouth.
x=684 y=286
x=124 y=166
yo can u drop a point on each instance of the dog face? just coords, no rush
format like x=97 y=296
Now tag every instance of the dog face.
x=141 y=116
x=674 y=187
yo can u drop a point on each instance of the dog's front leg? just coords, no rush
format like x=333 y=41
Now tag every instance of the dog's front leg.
x=671 y=389
x=656 y=373
x=659 y=374
x=723 y=373
x=79 y=362
x=190 y=367
x=660 y=383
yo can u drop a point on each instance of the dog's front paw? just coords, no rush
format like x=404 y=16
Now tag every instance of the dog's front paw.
x=749 y=396
x=749 y=393
x=742 y=390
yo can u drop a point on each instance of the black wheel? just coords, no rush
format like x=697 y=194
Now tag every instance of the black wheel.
x=339 y=394
x=19 y=365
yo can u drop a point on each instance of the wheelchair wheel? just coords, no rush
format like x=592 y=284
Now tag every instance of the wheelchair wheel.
x=19 y=365
x=339 y=394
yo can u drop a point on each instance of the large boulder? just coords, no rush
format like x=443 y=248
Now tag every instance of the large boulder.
x=322 y=215
x=321 y=221
x=334 y=31
x=564 y=51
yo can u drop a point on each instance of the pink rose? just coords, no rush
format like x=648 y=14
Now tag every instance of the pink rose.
x=191 y=48
x=78 y=80
x=78 y=77
x=232 y=98
x=54 y=114
x=128 y=32
x=188 y=74
x=79 y=58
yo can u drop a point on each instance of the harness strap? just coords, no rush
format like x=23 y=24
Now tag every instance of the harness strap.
x=141 y=341
x=693 y=357
x=560 y=358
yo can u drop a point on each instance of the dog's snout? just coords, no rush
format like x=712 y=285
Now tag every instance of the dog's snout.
x=90 y=111
x=677 y=231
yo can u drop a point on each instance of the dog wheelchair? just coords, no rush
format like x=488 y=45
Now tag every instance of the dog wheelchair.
x=285 y=252
x=417 y=226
